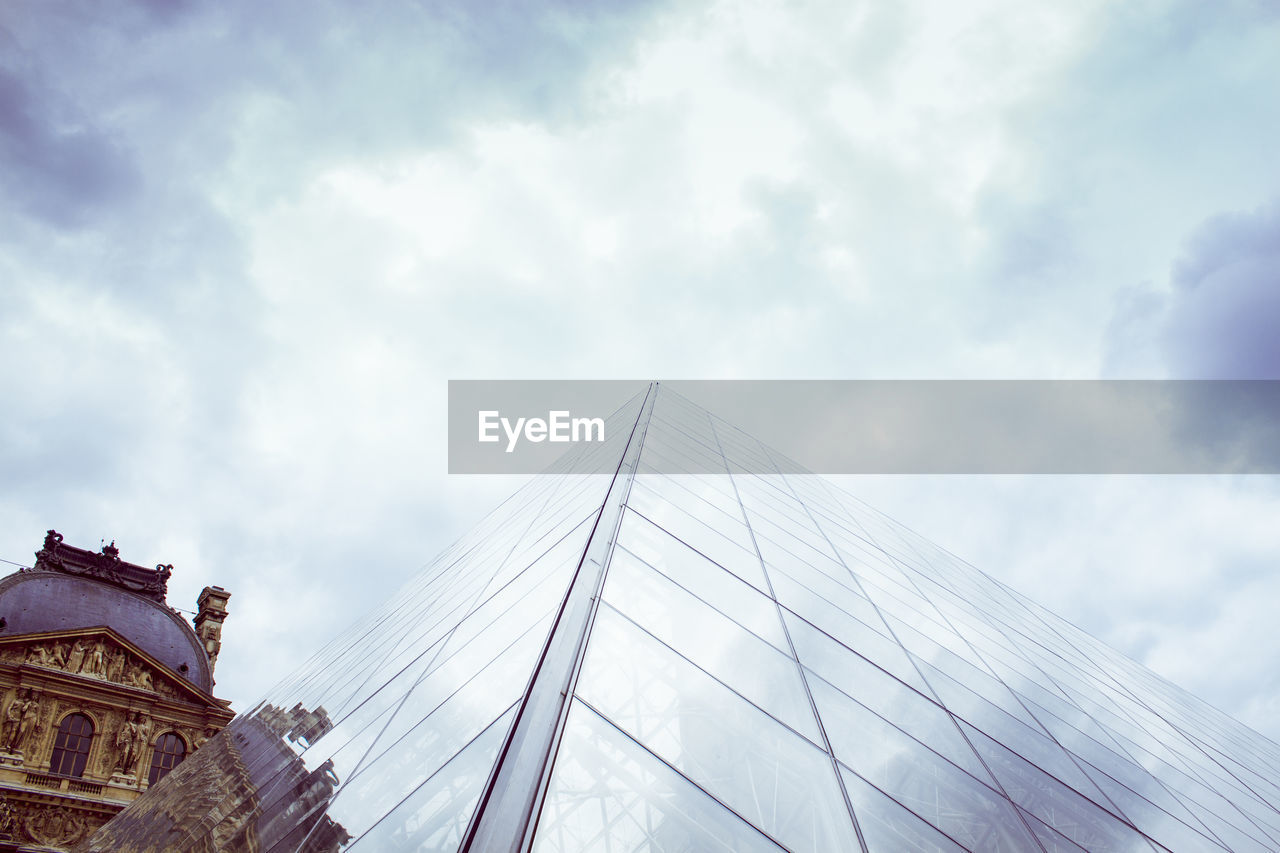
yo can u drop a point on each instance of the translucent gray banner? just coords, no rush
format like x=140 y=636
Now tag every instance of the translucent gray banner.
x=879 y=427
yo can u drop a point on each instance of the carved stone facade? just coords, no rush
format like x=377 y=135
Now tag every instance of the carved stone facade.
x=94 y=670
x=99 y=659
x=247 y=791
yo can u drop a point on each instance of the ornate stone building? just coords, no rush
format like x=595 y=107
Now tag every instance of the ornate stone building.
x=104 y=689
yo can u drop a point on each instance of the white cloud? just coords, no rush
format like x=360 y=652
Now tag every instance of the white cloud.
x=232 y=354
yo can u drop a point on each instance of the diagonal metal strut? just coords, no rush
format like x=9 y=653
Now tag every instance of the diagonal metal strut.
x=503 y=818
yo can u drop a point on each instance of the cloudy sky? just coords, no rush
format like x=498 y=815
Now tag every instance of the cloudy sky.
x=243 y=246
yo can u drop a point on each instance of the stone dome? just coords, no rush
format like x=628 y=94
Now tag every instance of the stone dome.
x=71 y=588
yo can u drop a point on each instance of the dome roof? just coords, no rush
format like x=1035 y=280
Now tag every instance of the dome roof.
x=71 y=588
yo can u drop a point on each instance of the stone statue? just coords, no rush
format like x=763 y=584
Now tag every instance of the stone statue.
x=76 y=661
x=115 y=665
x=60 y=655
x=30 y=723
x=130 y=741
x=141 y=736
x=95 y=662
x=123 y=743
x=12 y=722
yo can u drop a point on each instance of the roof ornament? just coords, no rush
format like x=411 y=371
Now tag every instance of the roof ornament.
x=107 y=566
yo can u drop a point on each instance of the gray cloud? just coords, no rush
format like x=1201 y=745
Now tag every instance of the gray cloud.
x=1218 y=315
x=53 y=163
x=178 y=398
x=1155 y=120
x=1224 y=314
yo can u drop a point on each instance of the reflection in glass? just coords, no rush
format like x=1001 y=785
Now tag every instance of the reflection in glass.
x=609 y=793
x=713 y=641
x=887 y=826
x=433 y=817
x=1085 y=823
x=214 y=799
x=958 y=713
x=718 y=587
x=920 y=780
x=436 y=727
x=743 y=757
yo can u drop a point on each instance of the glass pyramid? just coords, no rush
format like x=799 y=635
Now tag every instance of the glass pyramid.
x=727 y=661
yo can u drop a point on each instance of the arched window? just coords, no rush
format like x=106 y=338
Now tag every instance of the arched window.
x=71 y=746
x=170 y=750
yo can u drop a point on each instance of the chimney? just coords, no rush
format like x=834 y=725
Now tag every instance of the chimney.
x=212 y=605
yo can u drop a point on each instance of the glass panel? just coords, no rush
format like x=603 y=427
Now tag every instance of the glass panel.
x=1099 y=762
x=823 y=601
x=608 y=793
x=663 y=454
x=740 y=755
x=797 y=560
x=887 y=826
x=722 y=647
x=434 y=816
x=922 y=781
x=1228 y=832
x=435 y=727
x=735 y=555
x=715 y=490
x=979 y=710
x=886 y=696
x=782 y=520
x=717 y=587
x=1153 y=821
x=1081 y=820
x=715 y=510
x=494 y=628
x=816 y=651
x=1054 y=841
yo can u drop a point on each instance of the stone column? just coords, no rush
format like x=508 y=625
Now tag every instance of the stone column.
x=212 y=605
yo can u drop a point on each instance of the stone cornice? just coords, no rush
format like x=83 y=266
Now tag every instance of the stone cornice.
x=165 y=686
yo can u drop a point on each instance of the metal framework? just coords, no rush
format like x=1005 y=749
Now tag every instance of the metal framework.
x=702 y=652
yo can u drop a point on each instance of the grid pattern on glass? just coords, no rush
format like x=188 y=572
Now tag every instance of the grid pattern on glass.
x=738 y=753
x=411 y=681
x=971 y=813
x=437 y=734
x=609 y=793
x=716 y=586
x=709 y=639
x=435 y=700
x=772 y=665
x=434 y=815
x=899 y=573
